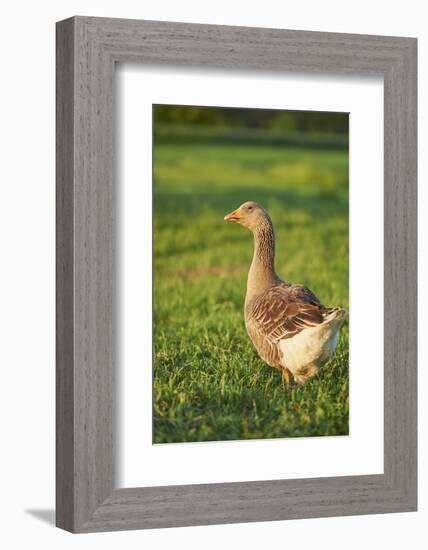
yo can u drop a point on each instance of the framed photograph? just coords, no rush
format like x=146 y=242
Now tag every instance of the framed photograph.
x=209 y=373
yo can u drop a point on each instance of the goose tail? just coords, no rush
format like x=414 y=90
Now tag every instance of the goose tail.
x=334 y=315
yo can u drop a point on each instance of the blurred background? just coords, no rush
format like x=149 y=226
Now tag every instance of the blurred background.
x=209 y=383
x=177 y=123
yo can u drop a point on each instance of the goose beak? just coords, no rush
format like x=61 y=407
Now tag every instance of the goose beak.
x=234 y=216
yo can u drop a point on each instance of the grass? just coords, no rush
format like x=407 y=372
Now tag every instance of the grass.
x=191 y=134
x=208 y=381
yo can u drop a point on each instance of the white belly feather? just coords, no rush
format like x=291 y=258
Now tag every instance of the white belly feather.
x=312 y=346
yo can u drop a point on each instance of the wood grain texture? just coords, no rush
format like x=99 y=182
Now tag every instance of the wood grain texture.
x=64 y=277
x=87 y=50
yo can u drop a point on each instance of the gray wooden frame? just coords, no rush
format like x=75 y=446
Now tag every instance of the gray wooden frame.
x=87 y=50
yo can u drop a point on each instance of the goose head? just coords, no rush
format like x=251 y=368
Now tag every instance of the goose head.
x=250 y=214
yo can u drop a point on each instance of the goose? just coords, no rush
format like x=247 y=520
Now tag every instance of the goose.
x=287 y=324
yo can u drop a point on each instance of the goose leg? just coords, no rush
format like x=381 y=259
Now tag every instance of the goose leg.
x=286 y=376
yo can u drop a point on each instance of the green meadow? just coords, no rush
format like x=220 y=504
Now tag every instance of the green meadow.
x=208 y=381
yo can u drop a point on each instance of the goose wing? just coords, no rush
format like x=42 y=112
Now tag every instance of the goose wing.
x=283 y=311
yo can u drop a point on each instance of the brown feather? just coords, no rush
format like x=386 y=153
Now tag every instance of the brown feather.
x=282 y=311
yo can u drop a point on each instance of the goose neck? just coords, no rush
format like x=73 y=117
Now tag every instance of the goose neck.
x=262 y=271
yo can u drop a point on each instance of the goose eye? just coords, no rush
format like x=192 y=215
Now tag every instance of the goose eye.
x=250 y=208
